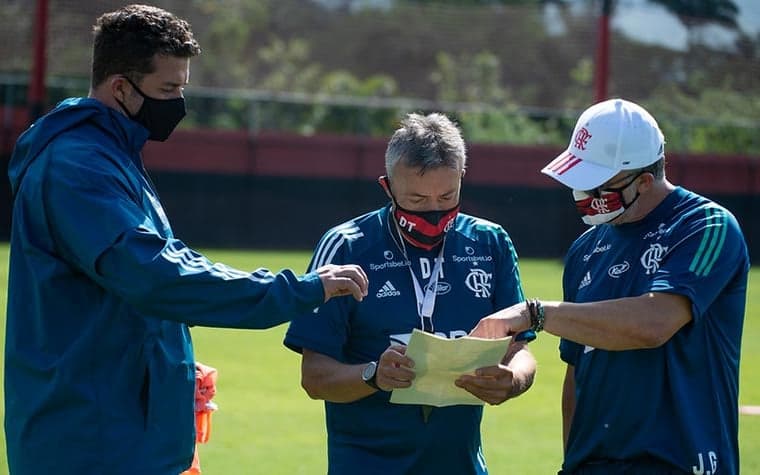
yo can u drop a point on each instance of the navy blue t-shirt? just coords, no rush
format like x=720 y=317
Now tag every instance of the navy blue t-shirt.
x=677 y=402
x=479 y=276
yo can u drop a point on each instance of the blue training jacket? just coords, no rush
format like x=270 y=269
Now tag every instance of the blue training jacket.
x=99 y=370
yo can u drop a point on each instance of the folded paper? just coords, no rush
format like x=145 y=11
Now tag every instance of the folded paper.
x=439 y=361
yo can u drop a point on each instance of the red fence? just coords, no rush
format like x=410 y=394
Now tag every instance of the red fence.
x=232 y=175
x=236 y=152
x=343 y=157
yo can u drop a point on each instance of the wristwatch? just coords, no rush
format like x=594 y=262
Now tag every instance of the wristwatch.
x=369 y=375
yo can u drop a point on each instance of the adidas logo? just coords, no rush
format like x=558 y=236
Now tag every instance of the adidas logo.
x=586 y=280
x=387 y=290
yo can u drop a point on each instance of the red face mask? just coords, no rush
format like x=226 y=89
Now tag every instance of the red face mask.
x=423 y=229
x=598 y=209
x=603 y=205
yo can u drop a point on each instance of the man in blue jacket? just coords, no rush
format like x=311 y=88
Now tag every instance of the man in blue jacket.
x=99 y=369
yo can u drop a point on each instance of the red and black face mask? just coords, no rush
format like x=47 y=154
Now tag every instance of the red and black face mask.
x=601 y=206
x=423 y=229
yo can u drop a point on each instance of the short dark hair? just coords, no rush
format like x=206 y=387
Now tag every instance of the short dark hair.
x=126 y=40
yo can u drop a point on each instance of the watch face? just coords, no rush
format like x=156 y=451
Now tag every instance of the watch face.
x=369 y=371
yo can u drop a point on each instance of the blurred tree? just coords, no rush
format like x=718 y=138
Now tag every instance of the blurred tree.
x=485 y=2
x=477 y=80
x=355 y=118
x=699 y=12
x=691 y=13
x=747 y=47
x=719 y=119
x=469 y=78
x=231 y=26
x=579 y=95
x=286 y=66
x=695 y=14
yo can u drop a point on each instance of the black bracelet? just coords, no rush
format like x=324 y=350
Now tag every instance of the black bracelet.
x=536 y=313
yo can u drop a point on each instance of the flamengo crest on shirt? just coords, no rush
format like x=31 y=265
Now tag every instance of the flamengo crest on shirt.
x=479 y=281
x=652 y=257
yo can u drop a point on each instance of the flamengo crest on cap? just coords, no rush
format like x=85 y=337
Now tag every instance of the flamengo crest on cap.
x=581 y=138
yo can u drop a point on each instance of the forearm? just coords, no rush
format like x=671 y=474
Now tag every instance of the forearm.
x=167 y=280
x=647 y=321
x=522 y=364
x=568 y=405
x=325 y=378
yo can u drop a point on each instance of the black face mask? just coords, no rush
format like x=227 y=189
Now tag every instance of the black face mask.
x=159 y=116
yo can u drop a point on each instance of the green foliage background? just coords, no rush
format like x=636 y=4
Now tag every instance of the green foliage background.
x=500 y=67
x=267 y=425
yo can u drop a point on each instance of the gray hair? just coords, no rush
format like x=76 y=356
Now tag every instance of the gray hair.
x=426 y=142
x=657 y=169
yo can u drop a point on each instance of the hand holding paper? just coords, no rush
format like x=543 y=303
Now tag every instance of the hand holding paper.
x=440 y=361
x=394 y=369
x=492 y=384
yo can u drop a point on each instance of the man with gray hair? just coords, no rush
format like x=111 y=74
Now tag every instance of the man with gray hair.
x=654 y=304
x=430 y=268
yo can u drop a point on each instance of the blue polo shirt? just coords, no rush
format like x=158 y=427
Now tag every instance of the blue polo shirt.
x=479 y=276
x=677 y=402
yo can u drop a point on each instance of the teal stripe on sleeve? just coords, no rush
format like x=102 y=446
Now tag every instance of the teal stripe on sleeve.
x=719 y=247
x=703 y=245
x=714 y=236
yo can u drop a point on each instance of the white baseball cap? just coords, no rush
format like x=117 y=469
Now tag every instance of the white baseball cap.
x=609 y=137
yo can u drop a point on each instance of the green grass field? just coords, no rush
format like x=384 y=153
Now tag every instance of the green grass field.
x=267 y=425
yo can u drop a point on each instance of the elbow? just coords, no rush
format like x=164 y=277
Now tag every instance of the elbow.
x=312 y=387
x=662 y=316
x=654 y=342
x=655 y=336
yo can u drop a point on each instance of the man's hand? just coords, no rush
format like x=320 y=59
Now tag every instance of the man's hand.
x=343 y=280
x=506 y=322
x=492 y=384
x=394 y=369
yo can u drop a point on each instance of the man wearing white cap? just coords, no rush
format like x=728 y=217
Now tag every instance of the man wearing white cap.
x=651 y=322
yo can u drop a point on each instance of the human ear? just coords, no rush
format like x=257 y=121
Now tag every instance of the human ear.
x=645 y=182
x=385 y=184
x=118 y=87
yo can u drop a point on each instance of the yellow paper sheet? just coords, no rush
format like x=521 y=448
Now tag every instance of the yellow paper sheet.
x=439 y=361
